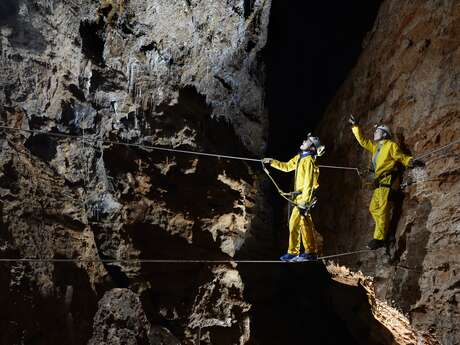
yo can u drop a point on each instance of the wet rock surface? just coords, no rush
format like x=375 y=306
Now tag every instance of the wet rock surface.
x=406 y=77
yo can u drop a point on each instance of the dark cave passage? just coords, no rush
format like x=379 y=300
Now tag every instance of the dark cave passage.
x=301 y=304
x=8 y=10
x=310 y=51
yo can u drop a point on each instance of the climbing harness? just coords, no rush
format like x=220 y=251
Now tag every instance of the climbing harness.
x=378 y=182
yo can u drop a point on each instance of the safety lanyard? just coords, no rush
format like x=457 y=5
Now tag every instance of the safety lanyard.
x=302 y=155
x=374 y=159
x=284 y=195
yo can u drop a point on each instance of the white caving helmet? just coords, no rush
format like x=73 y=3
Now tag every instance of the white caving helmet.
x=320 y=149
x=385 y=129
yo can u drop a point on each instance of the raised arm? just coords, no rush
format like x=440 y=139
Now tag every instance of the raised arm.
x=285 y=166
x=399 y=156
x=362 y=140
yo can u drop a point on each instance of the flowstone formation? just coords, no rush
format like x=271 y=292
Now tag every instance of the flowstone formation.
x=177 y=74
x=407 y=77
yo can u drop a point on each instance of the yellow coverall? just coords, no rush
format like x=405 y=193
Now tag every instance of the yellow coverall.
x=385 y=163
x=306 y=181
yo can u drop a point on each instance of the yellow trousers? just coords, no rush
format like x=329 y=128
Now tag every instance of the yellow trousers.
x=379 y=208
x=300 y=225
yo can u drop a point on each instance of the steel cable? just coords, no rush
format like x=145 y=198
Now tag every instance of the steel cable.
x=167 y=261
x=152 y=147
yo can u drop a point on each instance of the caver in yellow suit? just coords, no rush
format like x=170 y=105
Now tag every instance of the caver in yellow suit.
x=386 y=155
x=305 y=183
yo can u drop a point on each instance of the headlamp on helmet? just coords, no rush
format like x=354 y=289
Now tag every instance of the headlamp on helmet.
x=385 y=129
x=320 y=149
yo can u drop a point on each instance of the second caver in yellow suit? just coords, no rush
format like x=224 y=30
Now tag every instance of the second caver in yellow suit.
x=305 y=183
x=386 y=154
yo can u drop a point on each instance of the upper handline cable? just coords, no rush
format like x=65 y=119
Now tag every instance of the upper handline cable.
x=340 y=168
x=197 y=153
x=113 y=142
x=157 y=148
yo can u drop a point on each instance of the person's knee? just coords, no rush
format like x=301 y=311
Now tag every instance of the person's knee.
x=374 y=209
x=371 y=208
x=374 y=205
x=293 y=223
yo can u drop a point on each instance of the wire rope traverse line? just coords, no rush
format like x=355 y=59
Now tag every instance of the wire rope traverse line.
x=158 y=148
x=344 y=254
x=144 y=146
x=429 y=153
x=172 y=261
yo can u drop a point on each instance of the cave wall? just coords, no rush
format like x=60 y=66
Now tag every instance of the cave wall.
x=408 y=77
x=184 y=74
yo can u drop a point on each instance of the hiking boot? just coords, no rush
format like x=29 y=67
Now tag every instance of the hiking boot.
x=375 y=244
x=304 y=257
x=287 y=257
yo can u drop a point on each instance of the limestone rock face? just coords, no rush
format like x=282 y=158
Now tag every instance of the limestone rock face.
x=408 y=77
x=177 y=74
x=120 y=319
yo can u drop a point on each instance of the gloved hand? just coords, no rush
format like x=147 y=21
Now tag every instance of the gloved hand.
x=415 y=163
x=303 y=208
x=267 y=160
x=352 y=121
x=302 y=205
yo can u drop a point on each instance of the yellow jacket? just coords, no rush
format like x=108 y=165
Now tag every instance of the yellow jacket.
x=306 y=176
x=390 y=153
